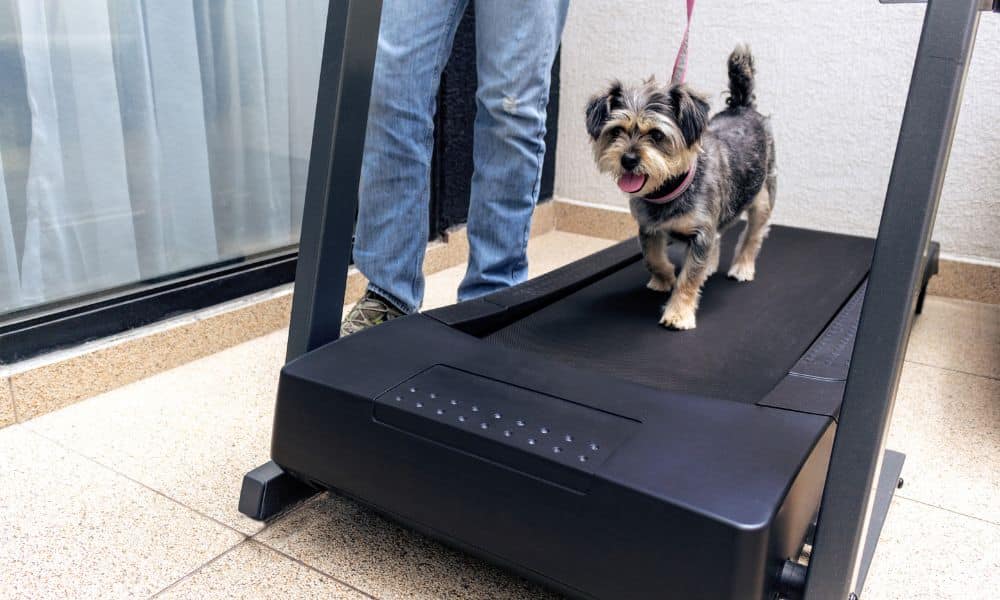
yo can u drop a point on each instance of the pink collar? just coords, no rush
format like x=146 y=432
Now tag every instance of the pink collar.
x=681 y=187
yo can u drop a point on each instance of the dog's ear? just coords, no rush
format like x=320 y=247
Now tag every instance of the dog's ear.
x=690 y=112
x=600 y=106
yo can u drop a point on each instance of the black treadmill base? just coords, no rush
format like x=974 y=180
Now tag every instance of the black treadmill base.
x=268 y=490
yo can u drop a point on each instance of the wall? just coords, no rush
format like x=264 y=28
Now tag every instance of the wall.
x=833 y=75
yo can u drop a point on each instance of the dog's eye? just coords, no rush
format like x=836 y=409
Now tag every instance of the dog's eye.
x=615 y=132
x=657 y=135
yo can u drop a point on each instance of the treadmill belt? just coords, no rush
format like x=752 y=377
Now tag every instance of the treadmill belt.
x=749 y=335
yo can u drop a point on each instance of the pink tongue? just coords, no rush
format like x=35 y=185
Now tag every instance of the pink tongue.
x=631 y=183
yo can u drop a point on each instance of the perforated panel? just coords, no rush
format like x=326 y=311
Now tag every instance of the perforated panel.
x=500 y=421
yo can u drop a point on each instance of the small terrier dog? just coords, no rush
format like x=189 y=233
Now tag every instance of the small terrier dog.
x=689 y=177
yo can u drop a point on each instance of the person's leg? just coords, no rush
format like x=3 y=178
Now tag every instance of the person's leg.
x=516 y=42
x=414 y=43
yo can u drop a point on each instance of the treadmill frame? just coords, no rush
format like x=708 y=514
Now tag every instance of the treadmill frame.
x=895 y=281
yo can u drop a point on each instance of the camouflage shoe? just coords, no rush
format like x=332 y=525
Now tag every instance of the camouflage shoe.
x=370 y=311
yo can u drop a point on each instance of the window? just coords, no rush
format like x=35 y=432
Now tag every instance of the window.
x=140 y=139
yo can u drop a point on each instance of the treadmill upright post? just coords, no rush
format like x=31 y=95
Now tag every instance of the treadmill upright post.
x=334 y=172
x=911 y=202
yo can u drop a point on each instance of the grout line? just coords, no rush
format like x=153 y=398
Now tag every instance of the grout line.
x=312 y=568
x=951 y=370
x=948 y=510
x=135 y=481
x=193 y=571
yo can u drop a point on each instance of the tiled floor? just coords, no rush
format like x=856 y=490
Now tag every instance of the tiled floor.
x=133 y=493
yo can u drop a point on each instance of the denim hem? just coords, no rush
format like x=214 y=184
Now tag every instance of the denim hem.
x=391 y=299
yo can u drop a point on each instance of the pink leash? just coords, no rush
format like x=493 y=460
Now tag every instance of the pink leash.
x=681 y=62
x=677 y=76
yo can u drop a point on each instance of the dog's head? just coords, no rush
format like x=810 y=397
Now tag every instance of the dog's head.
x=645 y=135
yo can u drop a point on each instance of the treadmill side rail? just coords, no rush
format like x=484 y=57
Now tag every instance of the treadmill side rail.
x=911 y=202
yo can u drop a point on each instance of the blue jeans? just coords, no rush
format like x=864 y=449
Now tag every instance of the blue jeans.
x=516 y=42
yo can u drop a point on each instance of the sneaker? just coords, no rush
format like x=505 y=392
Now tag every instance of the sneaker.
x=370 y=311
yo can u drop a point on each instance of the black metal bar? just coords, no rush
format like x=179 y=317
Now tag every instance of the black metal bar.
x=334 y=172
x=907 y=219
x=888 y=482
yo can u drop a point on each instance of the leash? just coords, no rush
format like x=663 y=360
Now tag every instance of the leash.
x=681 y=62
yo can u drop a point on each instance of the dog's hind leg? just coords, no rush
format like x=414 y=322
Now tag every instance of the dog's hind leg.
x=748 y=246
x=654 y=253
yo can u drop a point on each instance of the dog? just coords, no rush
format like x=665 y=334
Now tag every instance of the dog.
x=689 y=177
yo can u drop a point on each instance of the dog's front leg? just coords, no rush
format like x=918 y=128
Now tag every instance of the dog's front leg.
x=679 y=313
x=654 y=253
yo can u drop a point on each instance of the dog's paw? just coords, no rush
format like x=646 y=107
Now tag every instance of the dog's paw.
x=677 y=317
x=742 y=272
x=658 y=284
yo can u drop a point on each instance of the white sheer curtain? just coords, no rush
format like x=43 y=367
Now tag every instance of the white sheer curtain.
x=140 y=138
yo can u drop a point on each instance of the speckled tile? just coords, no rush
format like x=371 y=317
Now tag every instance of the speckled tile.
x=967 y=281
x=594 y=221
x=926 y=553
x=74 y=529
x=959 y=335
x=948 y=425
x=7 y=416
x=381 y=558
x=190 y=433
x=252 y=570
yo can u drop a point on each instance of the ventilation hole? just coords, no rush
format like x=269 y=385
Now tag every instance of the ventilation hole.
x=568 y=438
x=484 y=425
x=556 y=449
x=497 y=416
x=413 y=390
x=593 y=446
x=432 y=395
x=531 y=441
x=420 y=404
x=399 y=398
x=440 y=411
x=519 y=423
x=475 y=408
x=453 y=402
x=461 y=418
x=582 y=458
x=544 y=430
x=507 y=433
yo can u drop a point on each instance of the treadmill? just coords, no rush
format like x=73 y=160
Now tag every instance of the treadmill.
x=554 y=428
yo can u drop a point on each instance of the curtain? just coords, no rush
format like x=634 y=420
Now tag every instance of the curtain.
x=140 y=138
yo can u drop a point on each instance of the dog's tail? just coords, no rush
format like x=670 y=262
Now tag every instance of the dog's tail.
x=741 y=76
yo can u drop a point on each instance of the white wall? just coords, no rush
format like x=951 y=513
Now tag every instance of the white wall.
x=833 y=75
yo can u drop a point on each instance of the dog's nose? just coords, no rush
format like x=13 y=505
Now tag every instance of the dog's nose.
x=630 y=160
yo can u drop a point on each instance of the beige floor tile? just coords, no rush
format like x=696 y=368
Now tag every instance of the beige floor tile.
x=73 y=529
x=252 y=570
x=545 y=253
x=381 y=558
x=948 y=425
x=190 y=433
x=959 y=335
x=926 y=553
x=7 y=416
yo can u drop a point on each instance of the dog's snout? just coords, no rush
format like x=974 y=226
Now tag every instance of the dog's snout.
x=630 y=160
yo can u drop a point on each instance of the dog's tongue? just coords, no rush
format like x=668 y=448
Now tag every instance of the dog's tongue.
x=631 y=183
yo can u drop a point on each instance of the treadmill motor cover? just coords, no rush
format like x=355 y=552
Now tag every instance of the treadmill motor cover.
x=556 y=429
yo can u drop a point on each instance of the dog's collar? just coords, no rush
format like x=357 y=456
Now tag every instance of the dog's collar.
x=671 y=190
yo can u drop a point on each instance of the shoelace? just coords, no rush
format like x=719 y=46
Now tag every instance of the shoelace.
x=370 y=312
